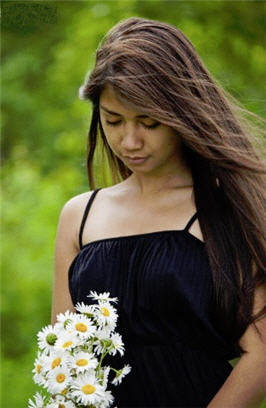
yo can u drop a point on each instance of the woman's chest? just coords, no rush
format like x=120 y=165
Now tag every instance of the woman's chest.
x=115 y=219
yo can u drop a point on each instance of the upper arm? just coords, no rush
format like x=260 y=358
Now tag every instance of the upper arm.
x=66 y=248
x=253 y=341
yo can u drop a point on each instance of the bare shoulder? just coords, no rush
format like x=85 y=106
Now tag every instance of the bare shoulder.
x=71 y=216
x=66 y=248
x=76 y=204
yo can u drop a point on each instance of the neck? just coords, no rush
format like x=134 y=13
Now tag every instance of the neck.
x=161 y=181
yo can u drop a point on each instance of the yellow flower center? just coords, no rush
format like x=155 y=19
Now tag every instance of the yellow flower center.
x=81 y=327
x=88 y=389
x=61 y=406
x=82 y=362
x=56 y=362
x=67 y=344
x=105 y=311
x=60 y=378
x=38 y=368
x=64 y=392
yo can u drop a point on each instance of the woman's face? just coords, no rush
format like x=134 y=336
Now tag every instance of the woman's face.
x=141 y=143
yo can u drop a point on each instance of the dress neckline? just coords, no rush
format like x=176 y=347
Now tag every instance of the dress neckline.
x=145 y=234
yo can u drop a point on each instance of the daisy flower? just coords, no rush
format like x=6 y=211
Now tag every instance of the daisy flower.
x=63 y=318
x=102 y=297
x=104 y=373
x=103 y=333
x=118 y=344
x=87 y=390
x=82 y=326
x=67 y=365
x=58 y=379
x=47 y=338
x=67 y=341
x=38 y=369
x=99 y=347
x=106 y=315
x=55 y=359
x=88 y=310
x=103 y=338
x=82 y=361
x=39 y=401
x=108 y=399
x=121 y=374
x=61 y=402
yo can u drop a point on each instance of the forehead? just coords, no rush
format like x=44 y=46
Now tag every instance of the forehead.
x=113 y=101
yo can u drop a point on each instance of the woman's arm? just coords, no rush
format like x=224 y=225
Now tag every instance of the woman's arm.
x=66 y=248
x=246 y=385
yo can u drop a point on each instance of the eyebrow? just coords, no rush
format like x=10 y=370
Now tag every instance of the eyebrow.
x=118 y=114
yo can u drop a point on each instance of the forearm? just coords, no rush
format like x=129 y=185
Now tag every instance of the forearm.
x=246 y=385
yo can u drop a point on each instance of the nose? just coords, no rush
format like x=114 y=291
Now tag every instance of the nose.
x=131 y=138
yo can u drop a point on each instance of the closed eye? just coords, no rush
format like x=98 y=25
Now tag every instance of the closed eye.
x=116 y=123
x=153 y=126
x=112 y=123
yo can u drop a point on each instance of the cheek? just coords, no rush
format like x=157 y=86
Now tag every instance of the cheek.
x=108 y=132
x=111 y=138
x=165 y=143
x=171 y=143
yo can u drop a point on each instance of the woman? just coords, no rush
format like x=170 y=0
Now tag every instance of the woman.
x=179 y=237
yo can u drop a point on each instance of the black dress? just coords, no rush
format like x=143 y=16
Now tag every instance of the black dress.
x=162 y=279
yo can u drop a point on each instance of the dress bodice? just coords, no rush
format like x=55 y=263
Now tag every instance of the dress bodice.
x=163 y=282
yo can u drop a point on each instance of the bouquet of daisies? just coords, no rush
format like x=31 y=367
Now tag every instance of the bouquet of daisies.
x=69 y=362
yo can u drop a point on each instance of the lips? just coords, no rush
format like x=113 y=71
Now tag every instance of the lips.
x=136 y=159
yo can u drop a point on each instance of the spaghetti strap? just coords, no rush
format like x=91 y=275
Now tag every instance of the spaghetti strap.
x=85 y=216
x=190 y=222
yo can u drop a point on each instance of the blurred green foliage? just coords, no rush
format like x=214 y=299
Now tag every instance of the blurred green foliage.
x=47 y=49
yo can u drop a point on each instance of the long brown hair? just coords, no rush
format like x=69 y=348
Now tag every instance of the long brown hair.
x=154 y=67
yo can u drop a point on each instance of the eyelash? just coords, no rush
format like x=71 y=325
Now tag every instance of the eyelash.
x=155 y=125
